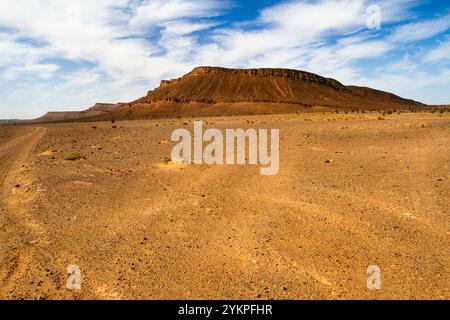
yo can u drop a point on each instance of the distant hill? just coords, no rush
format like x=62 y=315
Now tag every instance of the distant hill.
x=98 y=110
x=11 y=121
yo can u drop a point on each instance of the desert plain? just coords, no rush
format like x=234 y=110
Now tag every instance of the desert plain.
x=353 y=190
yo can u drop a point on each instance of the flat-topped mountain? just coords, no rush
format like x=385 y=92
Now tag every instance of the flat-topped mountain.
x=213 y=91
x=219 y=91
x=221 y=85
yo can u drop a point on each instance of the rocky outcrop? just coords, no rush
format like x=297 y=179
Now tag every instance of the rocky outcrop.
x=165 y=83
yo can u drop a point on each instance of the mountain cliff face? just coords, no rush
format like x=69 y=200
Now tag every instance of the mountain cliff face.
x=220 y=85
x=257 y=73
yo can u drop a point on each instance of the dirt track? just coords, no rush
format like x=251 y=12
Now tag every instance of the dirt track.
x=18 y=228
x=141 y=229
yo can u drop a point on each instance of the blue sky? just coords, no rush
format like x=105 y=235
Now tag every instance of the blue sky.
x=69 y=54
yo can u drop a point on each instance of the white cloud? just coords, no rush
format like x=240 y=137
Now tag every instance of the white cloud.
x=441 y=52
x=40 y=70
x=411 y=85
x=336 y=61
x=421 y=30
x=314 y=17
x=285 y=35
x=20 y=59
x=151 y=13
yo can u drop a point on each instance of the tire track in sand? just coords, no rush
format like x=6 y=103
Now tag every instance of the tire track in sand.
x=20 y=232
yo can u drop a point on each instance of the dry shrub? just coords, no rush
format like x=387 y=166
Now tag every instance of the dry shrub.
x=73 y=156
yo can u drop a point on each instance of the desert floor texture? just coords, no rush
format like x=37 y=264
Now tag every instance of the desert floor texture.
x=352 y=191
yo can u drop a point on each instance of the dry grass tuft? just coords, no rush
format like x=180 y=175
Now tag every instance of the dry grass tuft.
x=73 y=156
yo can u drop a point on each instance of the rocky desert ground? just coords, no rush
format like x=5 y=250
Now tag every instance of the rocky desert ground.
x=352 y=191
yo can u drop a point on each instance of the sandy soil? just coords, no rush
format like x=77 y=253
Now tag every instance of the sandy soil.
x=142 y=229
